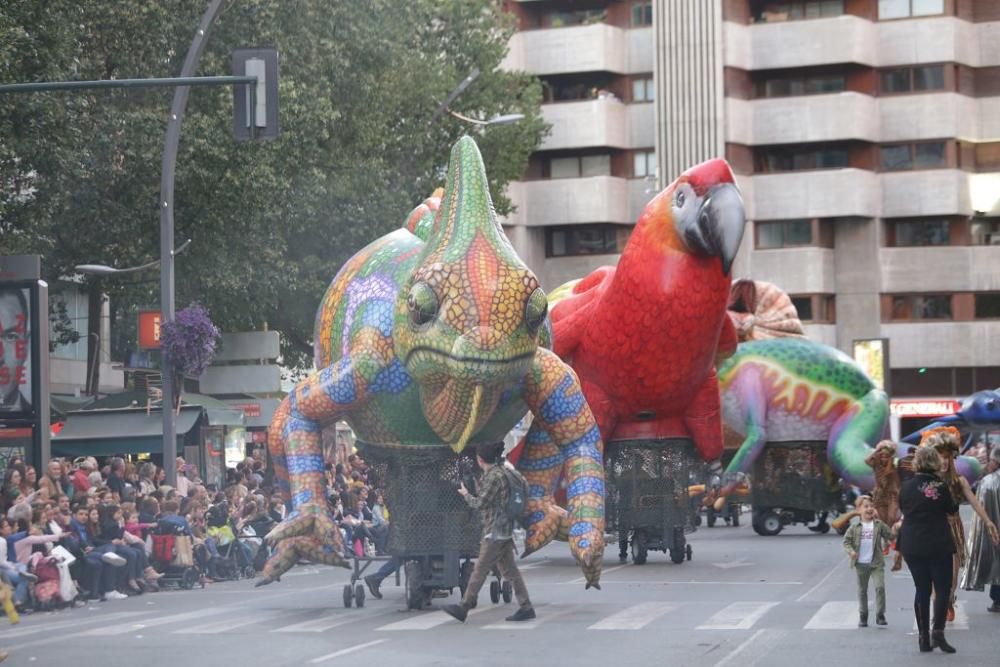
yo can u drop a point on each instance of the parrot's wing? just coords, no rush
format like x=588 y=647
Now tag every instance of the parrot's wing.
x=572 y=304
x=728 y=340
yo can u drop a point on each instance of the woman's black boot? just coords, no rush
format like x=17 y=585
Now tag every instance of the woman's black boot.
x=941 y=643
x=923 y=631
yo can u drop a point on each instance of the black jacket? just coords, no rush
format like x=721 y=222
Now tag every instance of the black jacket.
x=926 y=503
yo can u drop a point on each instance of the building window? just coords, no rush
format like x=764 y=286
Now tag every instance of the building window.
x=642 y=13
x=902 y=157
x=644 y=164
x=579 y=166
x=898 y=9
x=804 y=85
x=599 y=239
x=815 y=308
x=784 y=234
x=921 y=232
x=985 y=232
x=911 y=79
x=577 y=17
x=796 y=158
x=643 y=90
x=988 y=306
x=907 y=307
x=771 y=12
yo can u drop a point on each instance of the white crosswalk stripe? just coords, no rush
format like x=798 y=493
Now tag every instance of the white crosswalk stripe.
x=961 y=621
x=329 y=621
x=840 y=615
x=544 y=616
x=737 y=616
x=74 y=623
x=117 y=629
x=635 y=617
x=428 y=620
x=239 y=619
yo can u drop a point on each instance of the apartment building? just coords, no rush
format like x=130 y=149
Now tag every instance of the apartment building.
x=866 y=139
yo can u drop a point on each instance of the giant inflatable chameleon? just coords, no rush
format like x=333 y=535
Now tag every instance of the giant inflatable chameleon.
x=433 y=336
x=644 y=336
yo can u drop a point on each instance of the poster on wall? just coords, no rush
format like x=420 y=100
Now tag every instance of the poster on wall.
x=16 y=397
x=872 y=354
x=15 y=443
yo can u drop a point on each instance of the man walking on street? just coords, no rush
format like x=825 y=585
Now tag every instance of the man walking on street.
x=983 y=567
x=497 y=547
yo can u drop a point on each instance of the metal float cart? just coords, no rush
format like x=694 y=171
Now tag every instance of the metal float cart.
x=432 y=530
x=793 y=483
x=647 y=495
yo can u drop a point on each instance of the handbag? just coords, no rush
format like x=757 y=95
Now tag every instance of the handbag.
x=184 y=549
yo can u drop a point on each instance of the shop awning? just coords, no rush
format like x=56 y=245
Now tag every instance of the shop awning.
x=119 y=431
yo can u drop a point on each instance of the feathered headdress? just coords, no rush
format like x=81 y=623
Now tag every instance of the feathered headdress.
x=945 y=439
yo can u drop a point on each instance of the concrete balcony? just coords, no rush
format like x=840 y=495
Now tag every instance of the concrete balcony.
x=639 y=57
x=786 y=120
x=933 y=344
x=842 y=39
x=989 y=119
x=930 y=116
x=586 y=124
x=641 y=125
x=822 y=333
x=927 y=40
x=936 y=269
x=591 y=48
x=570 y=201
x=825 y=193
x=928 y=192
x=796 y=270
x=640 y=191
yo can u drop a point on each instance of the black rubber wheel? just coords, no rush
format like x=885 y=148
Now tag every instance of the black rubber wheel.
x=823 y=528
x=769 y=524
x=697 y=519
x=495 y=591
x=734 y=512
x=249 y=572
x=464 y=574
x=414 y=591
x=348 y=595
x=189 y=578
x=639 y=552
x=359 y=595
x=507 y=591
x=688 y=552
x=710 y=518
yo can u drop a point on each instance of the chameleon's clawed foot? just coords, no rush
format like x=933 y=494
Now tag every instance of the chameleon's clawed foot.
x=587 y=546
x=544 y=521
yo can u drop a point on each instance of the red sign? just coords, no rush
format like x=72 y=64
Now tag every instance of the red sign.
x=149 y=329
x=249 y=409
x=924 y=407
x=12 y=433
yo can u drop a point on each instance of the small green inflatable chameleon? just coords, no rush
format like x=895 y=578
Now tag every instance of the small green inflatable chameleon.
x=434 y=335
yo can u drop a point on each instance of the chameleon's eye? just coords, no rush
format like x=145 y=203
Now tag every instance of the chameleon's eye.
x=535 y=310
x=422 y=303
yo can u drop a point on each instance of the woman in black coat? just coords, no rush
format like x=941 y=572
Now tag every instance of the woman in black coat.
x=926 y=543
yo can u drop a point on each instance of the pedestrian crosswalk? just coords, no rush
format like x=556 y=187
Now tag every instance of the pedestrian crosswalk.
x=685 y=616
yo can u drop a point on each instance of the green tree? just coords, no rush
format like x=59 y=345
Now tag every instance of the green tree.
x=271 y=221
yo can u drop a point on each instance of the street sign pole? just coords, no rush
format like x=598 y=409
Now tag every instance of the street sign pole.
x=170 y=146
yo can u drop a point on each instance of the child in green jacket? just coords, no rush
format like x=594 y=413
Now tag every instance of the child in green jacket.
x=865 y=542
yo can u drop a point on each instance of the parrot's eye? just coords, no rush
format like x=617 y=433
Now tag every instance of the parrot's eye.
x=679 y=199
x=422 y=303
x=535 y=310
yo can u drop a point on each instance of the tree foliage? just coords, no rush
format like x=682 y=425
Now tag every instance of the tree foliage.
x=271 y=221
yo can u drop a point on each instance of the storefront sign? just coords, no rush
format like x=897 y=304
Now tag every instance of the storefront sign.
x=249 y=409
x=149 y=329
x=924 y=408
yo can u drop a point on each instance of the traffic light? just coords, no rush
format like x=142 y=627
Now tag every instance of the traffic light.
x=255 y=108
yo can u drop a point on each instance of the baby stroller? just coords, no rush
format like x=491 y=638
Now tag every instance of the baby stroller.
x=174 y=556
x=54 y=588
x=234 y=556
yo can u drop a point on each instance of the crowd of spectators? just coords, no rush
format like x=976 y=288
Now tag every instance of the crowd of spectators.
x=83 y=530
x=358 y=506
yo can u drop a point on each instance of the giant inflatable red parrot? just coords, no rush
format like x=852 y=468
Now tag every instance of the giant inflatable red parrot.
x=644 y=336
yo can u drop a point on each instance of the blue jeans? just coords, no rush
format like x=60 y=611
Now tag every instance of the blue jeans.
x=13 y=576
x=389 y=567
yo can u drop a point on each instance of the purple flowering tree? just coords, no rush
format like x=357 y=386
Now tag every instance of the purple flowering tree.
x=190 y=341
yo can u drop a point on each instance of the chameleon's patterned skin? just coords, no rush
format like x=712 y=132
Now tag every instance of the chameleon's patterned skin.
x=644 y=336
x=433 y=335
x=788 y=389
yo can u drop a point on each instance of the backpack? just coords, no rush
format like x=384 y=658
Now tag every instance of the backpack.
x=517 y=497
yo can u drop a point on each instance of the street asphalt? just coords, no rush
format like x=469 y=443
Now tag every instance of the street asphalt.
x=742 y=600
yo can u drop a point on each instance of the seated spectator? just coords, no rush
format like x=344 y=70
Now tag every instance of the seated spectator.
x=170 y=523
x=15 y=574
x=134 y=527
x=146 y=473
x=81 y=476
x=112 y=536
x=149 y=509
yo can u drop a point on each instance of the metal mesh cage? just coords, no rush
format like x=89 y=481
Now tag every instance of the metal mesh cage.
x=794 y=475
x=427 y=515
x=647 y=484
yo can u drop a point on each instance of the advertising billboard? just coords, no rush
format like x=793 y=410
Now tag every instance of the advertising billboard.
x=16 y=396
